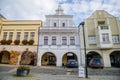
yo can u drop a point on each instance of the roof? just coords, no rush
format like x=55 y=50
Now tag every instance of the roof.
x=100 y=14
x=1 y=16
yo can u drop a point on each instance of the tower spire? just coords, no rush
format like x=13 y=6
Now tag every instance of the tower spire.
x=59 y=10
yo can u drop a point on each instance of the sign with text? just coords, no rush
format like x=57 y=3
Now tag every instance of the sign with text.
x=81 y=71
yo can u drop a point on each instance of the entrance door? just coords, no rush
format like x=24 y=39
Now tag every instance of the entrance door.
x=51 y=60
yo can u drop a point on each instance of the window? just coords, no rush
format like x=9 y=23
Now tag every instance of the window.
x=63 y=24
x=18 y=36
x=10 y=35
x=115 y=39
x=32 y=35
x=101 y=22
x=72 y=40
x=54 y=40
x=5 y=35
x=26 y=36
x=103 y=27
x=105 y=38
x=45 y=40
x=92 y=39
x=54 y=24
x=64 y=41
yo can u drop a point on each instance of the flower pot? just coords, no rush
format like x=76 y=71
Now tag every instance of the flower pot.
x=22 y=72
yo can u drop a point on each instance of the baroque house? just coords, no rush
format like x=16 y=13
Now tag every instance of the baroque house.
x=58 y=40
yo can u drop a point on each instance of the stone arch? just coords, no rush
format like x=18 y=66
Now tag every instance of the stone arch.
x=114 y=57
x=91 y=55
x=67 y=56
x=28 y=58
x=4 y=57
x=48 y=59
x=14 y=57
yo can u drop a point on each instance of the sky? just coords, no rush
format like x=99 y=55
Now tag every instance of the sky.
x=37 y=9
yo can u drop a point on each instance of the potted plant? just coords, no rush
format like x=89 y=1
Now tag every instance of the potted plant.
x=23 y=70
x=25 y=42
x=31 y=42
x=8 y=42
x=17 y=42
x=3 y=42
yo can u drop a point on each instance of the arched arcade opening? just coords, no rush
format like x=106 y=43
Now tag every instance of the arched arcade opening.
x=4 y=57
x=67 y=56
x=28 y=58
x=91 y=55
x=48 y=59
x=115 y=58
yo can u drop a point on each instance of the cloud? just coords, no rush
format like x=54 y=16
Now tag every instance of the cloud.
x=27 y=9
x=37 y=9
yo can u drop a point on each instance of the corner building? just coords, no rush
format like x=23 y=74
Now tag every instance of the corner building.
x=58 y=40
x=102 y=36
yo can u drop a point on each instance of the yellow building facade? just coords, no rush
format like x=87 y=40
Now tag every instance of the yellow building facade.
x=21 y=32
x=102 y=37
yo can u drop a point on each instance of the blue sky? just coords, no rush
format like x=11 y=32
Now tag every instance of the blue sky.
x=37 y=9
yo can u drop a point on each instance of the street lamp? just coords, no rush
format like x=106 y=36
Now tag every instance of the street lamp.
x=86 y=71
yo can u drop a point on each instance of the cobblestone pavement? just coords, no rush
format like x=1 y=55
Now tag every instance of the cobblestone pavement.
x=74 y=71
x=59 y=73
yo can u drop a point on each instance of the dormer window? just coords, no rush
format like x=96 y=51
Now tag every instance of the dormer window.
x=54 y=24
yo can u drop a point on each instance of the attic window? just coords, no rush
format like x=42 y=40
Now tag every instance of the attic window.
x=101 y=22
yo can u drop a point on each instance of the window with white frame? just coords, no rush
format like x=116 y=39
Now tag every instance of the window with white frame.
x=104 y=27
x=105 y=38
x=64 y=41
x=4 y=35
x=115 y=39
x=45 y=40
x=18 y=36
x=54 y=40
x=92 y=39
x=10 y=35
x=72 y=40
x=32 y=35
x=26 y=36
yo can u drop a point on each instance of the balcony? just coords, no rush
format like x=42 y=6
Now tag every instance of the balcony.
x=104 y=37
x=105 y=45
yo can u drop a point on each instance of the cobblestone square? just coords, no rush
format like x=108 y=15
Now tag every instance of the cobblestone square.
x=59 y=73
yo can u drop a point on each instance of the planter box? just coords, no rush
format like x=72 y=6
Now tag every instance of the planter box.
x=22 y=72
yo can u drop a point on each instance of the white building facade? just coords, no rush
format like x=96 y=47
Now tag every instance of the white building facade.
x=58 y=40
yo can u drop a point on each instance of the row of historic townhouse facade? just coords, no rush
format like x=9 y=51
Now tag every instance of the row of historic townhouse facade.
x=57 y=40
